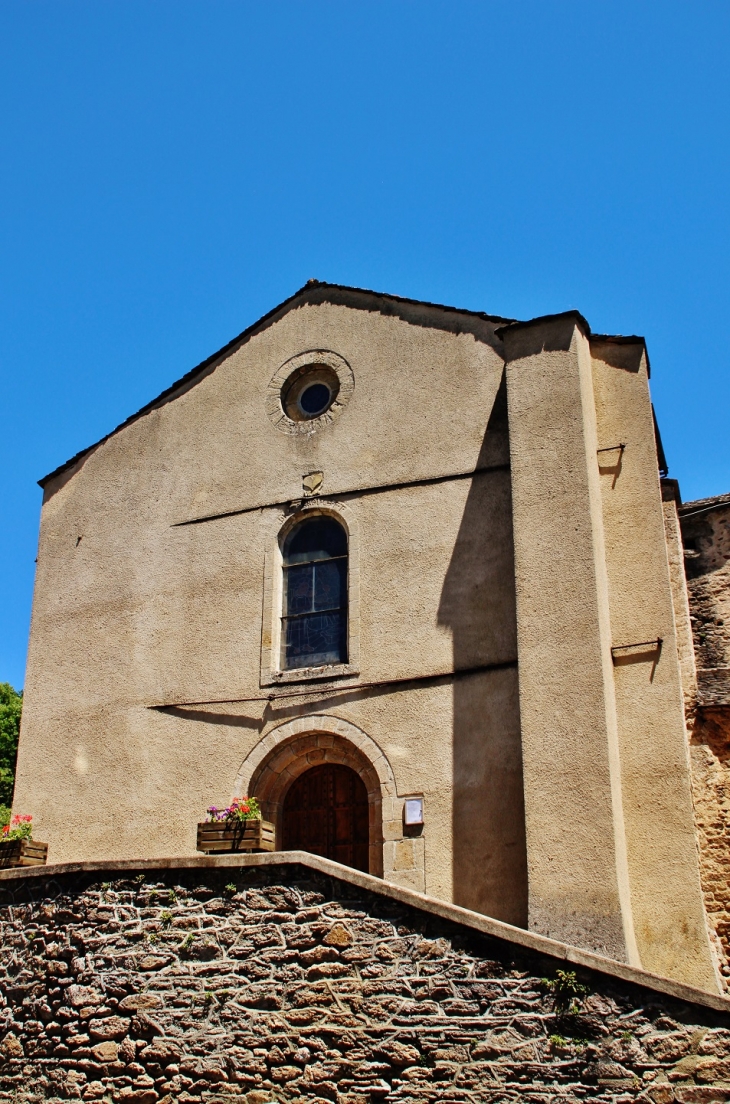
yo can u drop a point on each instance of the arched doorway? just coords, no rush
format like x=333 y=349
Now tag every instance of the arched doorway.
x=326 y=813
x=298 y=745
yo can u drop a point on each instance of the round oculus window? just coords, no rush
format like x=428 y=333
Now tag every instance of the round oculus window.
x=315 y=399
x=309 y=392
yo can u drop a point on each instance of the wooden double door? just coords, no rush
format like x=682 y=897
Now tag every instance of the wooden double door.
x=326 y=813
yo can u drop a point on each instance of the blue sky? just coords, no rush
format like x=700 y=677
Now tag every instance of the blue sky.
x=171 y=169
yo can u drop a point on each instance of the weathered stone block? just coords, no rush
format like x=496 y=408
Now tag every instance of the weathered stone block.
x=140 y=1002
x=105 y=1052
x=111 y=1027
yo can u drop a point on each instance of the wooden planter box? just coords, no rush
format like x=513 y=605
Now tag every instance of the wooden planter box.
x=247 y=835
x=23 y=852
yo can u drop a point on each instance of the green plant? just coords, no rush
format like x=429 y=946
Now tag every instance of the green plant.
x=187 y=942
x=140 y=879
x=230 y=889
x=567 y=992
x=626 y=1036
x=240 y=809
x=558 y=1041
x=172 y=896
x=153 y=895
x=11 y=706
x=166 y=917
x=209 y=997
x=152 y=937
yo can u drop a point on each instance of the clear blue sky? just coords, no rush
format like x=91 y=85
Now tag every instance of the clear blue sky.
x=171 y=169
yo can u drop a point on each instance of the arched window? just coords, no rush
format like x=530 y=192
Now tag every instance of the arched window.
x=314 y=622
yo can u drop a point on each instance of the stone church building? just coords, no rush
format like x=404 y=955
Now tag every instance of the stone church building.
x=412 y=577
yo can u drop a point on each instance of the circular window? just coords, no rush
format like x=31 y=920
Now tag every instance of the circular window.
x=315 y=399
x=309 y=391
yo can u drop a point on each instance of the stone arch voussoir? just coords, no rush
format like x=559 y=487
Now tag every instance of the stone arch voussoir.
x=295 y=746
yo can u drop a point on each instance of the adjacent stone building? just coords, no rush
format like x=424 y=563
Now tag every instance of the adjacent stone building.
x=409 y=575
x=706 y=540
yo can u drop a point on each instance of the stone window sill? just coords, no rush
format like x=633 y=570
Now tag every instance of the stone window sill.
x=312 y=674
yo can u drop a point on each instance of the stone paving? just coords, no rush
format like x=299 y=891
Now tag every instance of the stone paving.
x=257 y=985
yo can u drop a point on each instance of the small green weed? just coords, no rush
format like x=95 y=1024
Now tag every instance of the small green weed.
x=187 y=942
x=567 y=992
x=166 y=917
x=558 y=1041
x=230 y=889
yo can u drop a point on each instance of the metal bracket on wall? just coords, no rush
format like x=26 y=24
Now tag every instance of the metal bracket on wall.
x=611 y=465
x=641 y=652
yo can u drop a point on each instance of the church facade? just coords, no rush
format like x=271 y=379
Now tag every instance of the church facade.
x=411 y=576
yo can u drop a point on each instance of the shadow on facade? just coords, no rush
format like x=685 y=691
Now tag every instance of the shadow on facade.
x=478 y=606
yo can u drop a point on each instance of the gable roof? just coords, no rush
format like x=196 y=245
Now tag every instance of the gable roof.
x=313 y=292
x=418 y=312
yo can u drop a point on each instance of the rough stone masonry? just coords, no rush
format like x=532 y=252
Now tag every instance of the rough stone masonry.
x=706 y=540
x=279 y=981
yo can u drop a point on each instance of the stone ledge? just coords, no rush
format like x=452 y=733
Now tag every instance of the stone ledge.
x=540 y=944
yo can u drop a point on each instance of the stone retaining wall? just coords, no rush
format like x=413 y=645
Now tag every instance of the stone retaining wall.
x=268 y=981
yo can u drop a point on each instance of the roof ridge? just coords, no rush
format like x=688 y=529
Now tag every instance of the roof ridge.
x=699 y=504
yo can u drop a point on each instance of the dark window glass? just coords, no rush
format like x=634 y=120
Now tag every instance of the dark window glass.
x=313 y=400
x=317 y=538
x=314 y=622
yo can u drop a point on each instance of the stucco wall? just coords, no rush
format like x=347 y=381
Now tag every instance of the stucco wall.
x=667 y=904
x=680 y=596
x=274 y=983
x=610 y=834
x=133 y=611
x=576 y=847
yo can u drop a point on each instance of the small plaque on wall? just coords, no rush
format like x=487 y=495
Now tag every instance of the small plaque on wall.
x=413 y=812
